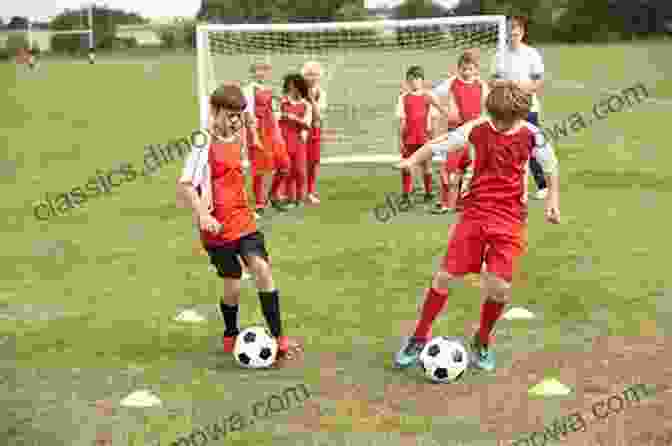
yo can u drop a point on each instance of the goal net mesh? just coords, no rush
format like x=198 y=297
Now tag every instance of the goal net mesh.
x=363 y=66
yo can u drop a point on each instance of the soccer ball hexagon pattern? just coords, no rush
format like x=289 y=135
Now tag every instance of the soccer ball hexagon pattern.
x=444 y=359
x=255 y=348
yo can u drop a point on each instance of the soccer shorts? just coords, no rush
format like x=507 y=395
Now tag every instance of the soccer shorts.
x=314 y=145
x=409 y=150
x=225 y=258
x=474 y=241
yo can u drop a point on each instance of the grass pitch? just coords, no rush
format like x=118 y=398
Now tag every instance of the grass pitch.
x=87 y=299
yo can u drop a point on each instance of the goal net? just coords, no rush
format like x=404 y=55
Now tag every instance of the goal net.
x=363 y=66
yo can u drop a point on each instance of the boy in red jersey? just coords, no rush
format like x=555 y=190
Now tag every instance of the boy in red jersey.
x=312 y=73
x=295 y=121
x=415 y=121
x=494 y=213
x=267 y=151
x=213 y=183
x=466 y=93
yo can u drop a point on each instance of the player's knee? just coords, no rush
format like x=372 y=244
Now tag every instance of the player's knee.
x=497 y=288
x=260 y=267
x=443 y=280
x=231 y=288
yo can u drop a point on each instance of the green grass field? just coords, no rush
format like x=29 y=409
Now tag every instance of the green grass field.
x=87 y=299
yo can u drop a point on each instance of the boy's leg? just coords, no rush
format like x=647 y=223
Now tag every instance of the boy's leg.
x=228 y=267
x=301 y=165
x=427 y=180
x=313 y=157
x=253 y=250
x=450 y=181
x=505 y=246
x=406 y=176
x=463 y=256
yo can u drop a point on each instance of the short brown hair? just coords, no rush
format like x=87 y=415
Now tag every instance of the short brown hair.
x=508 y=104
x=524 y=23
x=228 y=96
x=469 y=57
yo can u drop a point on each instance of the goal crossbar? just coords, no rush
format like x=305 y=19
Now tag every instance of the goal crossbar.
x=334 y=26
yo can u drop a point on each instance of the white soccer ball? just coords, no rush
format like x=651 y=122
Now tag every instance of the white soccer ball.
x=255 y=348
x=444 y=359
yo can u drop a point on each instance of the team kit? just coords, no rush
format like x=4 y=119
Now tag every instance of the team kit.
x=486 y=151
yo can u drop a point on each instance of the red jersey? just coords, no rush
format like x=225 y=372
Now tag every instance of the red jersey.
x=494 y=185
x=229 y=198
x=414 y=109
x=263 y=107
x=468 y=98
x=291 y=129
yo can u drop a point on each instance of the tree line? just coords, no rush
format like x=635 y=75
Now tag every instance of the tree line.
x=568 y=21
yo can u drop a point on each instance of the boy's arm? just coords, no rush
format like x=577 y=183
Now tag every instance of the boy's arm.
x=449 y=142
x=434 y=100
x=192 y=176
x=402 y=119
x=307 y=120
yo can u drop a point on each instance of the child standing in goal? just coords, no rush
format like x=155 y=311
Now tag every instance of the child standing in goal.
x=494 y=214
x=213 y=184
x=415 y=123
x=266 y=149
x=466 y=93
x=312 y=73
x=295 y=121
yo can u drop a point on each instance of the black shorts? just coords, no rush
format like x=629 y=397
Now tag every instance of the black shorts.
x=225 y=258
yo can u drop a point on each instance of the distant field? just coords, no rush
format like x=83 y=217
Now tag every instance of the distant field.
x=86 y=300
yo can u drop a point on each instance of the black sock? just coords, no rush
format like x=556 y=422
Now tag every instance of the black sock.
x=230 y=316
x=270 y=306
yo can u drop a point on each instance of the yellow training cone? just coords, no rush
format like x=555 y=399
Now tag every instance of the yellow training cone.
x=550 y=387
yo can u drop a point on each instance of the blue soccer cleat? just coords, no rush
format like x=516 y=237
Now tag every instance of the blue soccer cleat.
x=482 y=357
x=409 y=353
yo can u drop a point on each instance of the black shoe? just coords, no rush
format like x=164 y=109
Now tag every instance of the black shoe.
x=439 y=209
x=260 y=211
x=429 y=197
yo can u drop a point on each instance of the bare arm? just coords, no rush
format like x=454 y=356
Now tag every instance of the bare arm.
x=434 y=100
x=449 y=142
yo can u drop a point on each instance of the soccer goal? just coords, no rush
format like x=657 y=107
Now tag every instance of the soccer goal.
x=363 y=65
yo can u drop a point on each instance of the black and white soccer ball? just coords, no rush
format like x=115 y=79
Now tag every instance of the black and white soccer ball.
x=255 y=348
x=444 y=359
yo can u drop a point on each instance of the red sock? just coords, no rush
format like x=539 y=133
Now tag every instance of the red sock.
x=490 y=313
x=258 y=189
x=407 y=182
x=434 y=303
x=310 y=179
x=428 y=183
x=278 y=182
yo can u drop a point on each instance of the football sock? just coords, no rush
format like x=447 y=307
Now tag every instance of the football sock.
x=490 y=313
x=270 y=307
x=230 y=316
x=428 y=183
x=435 y=300
x=258 y=189
x=278 y=181
x=407 y=182
x=312 y=178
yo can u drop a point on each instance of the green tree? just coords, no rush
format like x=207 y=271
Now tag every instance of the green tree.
x=105 y=22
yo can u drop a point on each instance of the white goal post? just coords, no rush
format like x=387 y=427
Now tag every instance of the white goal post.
x=364 y=64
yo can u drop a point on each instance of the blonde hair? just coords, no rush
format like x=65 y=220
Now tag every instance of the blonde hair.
x=311 y=66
